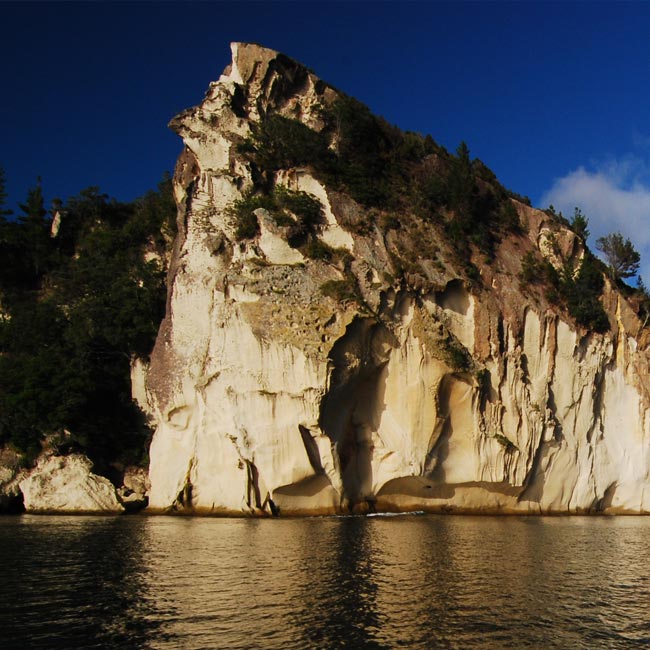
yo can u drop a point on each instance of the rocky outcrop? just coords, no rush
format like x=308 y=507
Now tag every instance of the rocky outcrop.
x=66 y=485
x=11 y=498
x=287 y=383
x=133 y=493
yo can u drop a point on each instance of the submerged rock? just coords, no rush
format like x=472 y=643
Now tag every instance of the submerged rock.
x=65 y=484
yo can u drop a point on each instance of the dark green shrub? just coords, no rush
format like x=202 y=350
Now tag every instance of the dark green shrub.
x=281 y=143
x=580 y=223
x=481 y=209
x=390 y=222
x=483 y=380
x=643 y=301
x=582 y=294
x=247 y=227
x=519 y=197
x=431 y=193
x=341 y=290
x=509 y=217
x=458 y=359
x=410 y=146
x=472 y=272
x=317 y=249
x=456 y=355
x=283 y=220
x=307 y=208
x=242 y=210
x=533 y=269
x=580 y=291
x=538 y=271
x=509 y=446
x=372 y=155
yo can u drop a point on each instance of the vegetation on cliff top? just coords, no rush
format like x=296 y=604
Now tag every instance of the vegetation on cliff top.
x=382 y=167
x=435 y=194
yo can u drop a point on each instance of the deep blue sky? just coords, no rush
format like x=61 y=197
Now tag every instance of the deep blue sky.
x=541 y=92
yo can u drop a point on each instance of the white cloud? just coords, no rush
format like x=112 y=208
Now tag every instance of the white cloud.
x=615 y=197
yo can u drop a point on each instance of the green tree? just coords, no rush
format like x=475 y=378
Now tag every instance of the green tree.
x=582 y=293
x=34 y=207
x=65 y=353
x=4 y=211
x=643 y=296
x=580 y=223
x=363 y=147
x=35 y=230
x=278 y=142
x=462 y=182
x=41 y=380
x=622 y=257
x=25 y=247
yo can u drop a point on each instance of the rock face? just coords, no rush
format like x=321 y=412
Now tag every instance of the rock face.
x=134 y=489
x=426 y=390
x=65 y=484
x=11 y=498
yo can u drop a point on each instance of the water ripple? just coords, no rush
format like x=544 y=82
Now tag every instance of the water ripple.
x=400 y=582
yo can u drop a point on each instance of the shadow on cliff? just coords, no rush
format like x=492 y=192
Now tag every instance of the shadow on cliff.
x=351 y=410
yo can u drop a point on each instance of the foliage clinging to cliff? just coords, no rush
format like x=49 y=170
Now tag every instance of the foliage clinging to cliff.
x=383 y=168
x=579 y=290
x=300 y=212
x=278 y=142
x=582 y=292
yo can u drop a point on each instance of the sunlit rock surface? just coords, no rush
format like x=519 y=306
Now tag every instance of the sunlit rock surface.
x=65 y=484
x=133 y=493
x=438 y=394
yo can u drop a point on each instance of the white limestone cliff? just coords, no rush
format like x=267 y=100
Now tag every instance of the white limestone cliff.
x=268 y=395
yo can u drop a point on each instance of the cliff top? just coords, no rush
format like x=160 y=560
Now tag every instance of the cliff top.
x=436 y=216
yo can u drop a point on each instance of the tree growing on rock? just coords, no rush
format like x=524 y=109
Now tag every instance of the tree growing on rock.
x=643 y=296
x=580 y=224
x=622 y=258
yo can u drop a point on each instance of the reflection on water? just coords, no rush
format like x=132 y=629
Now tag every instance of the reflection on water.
x=417 y=582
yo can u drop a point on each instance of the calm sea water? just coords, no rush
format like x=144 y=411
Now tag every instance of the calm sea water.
x=382 y=582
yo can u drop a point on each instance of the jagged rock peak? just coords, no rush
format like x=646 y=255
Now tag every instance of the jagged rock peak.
x=251 y=61
x=258 y=81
